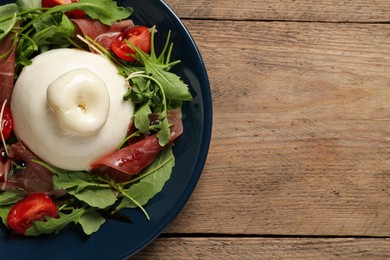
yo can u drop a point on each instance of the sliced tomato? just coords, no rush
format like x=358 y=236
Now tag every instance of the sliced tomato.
x=34 y=207
x=7 y=122
x=139 y=36
x=79 y=14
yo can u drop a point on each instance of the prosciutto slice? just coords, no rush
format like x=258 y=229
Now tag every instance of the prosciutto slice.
x=129 y=161
x=101 y=33
x=7 y=69
x=33 y=178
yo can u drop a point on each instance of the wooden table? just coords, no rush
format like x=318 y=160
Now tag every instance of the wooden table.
x=299 y=163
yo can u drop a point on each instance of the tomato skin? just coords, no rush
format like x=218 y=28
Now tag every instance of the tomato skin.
x=52 y=3
x=79 y=14
x=7 y=122
x=138 y=36
x=34 y=207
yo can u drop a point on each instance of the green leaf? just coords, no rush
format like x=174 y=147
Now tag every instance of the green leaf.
x=140 y=91
x=4 y=210
x=8 y=10
x=69 y=180
x=25 y=48
x=141 y=118
x=54 y=30
x=107 y=11
x=91 y=221
x=173 y=86
x=85 y=187
x=64 y=31
x=7 y=25
x=164 y=135
x=43 y=36
x=151 y=181
x=140 y=192
x=12 y=196
x=159 y=172
x=55 y=225
x=24 y=5
x=95 y=196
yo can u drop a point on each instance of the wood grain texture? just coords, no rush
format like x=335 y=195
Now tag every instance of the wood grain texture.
x=285 y=10
x=301 y=134
x=266 y=248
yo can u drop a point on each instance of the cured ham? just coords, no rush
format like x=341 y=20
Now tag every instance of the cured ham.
x=129 y=161
x=101 y=33
x=5 y=167
x=122 y=164
x=7 y=69
x=32 y=177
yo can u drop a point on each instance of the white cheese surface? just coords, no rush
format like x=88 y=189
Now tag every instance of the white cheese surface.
x=68 y=108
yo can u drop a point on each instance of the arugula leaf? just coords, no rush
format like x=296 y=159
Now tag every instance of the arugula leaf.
x=24 y=5
x=85 y=188
x=173 y=86
x=55 y=225
x=53 y=30
x=7 y=25
x=138 y=93
x=140 y=192
x=159 y=172
x=107 y=11
x=141 y=117
x=25 y=48
x=68 y=180
x=65 y=30
x=155 y=88
x=158 y=67
x=8 y=10
x=91 y=221
x=4 y=210
x=164 y=135
x=11 y=196
x=151 y=181
x=95 y=196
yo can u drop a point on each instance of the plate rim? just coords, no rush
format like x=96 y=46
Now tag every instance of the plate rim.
x=204 y=149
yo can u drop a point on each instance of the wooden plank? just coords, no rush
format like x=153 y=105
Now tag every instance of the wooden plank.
x=266 y=248
x=301 y=134
x=282 y=10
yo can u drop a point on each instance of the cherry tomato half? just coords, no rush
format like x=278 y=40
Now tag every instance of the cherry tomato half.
x=33 y=207
x=139 y=36
x=74 y=14
x=7 y=122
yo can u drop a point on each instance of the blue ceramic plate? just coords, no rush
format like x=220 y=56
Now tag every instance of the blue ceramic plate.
x=117 y=240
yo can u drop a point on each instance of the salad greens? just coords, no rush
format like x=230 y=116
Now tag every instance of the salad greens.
x=40 y=29
x=90 y=193
x=155 y=90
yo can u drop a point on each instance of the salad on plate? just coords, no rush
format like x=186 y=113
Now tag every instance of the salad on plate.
x=89 y=114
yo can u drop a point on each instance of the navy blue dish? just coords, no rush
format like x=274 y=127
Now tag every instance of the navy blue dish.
x=117 y=240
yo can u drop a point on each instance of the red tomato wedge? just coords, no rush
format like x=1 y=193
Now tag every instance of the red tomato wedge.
x=7 y=122
x=139 y=36
x=74 y=14
x=34 y=207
